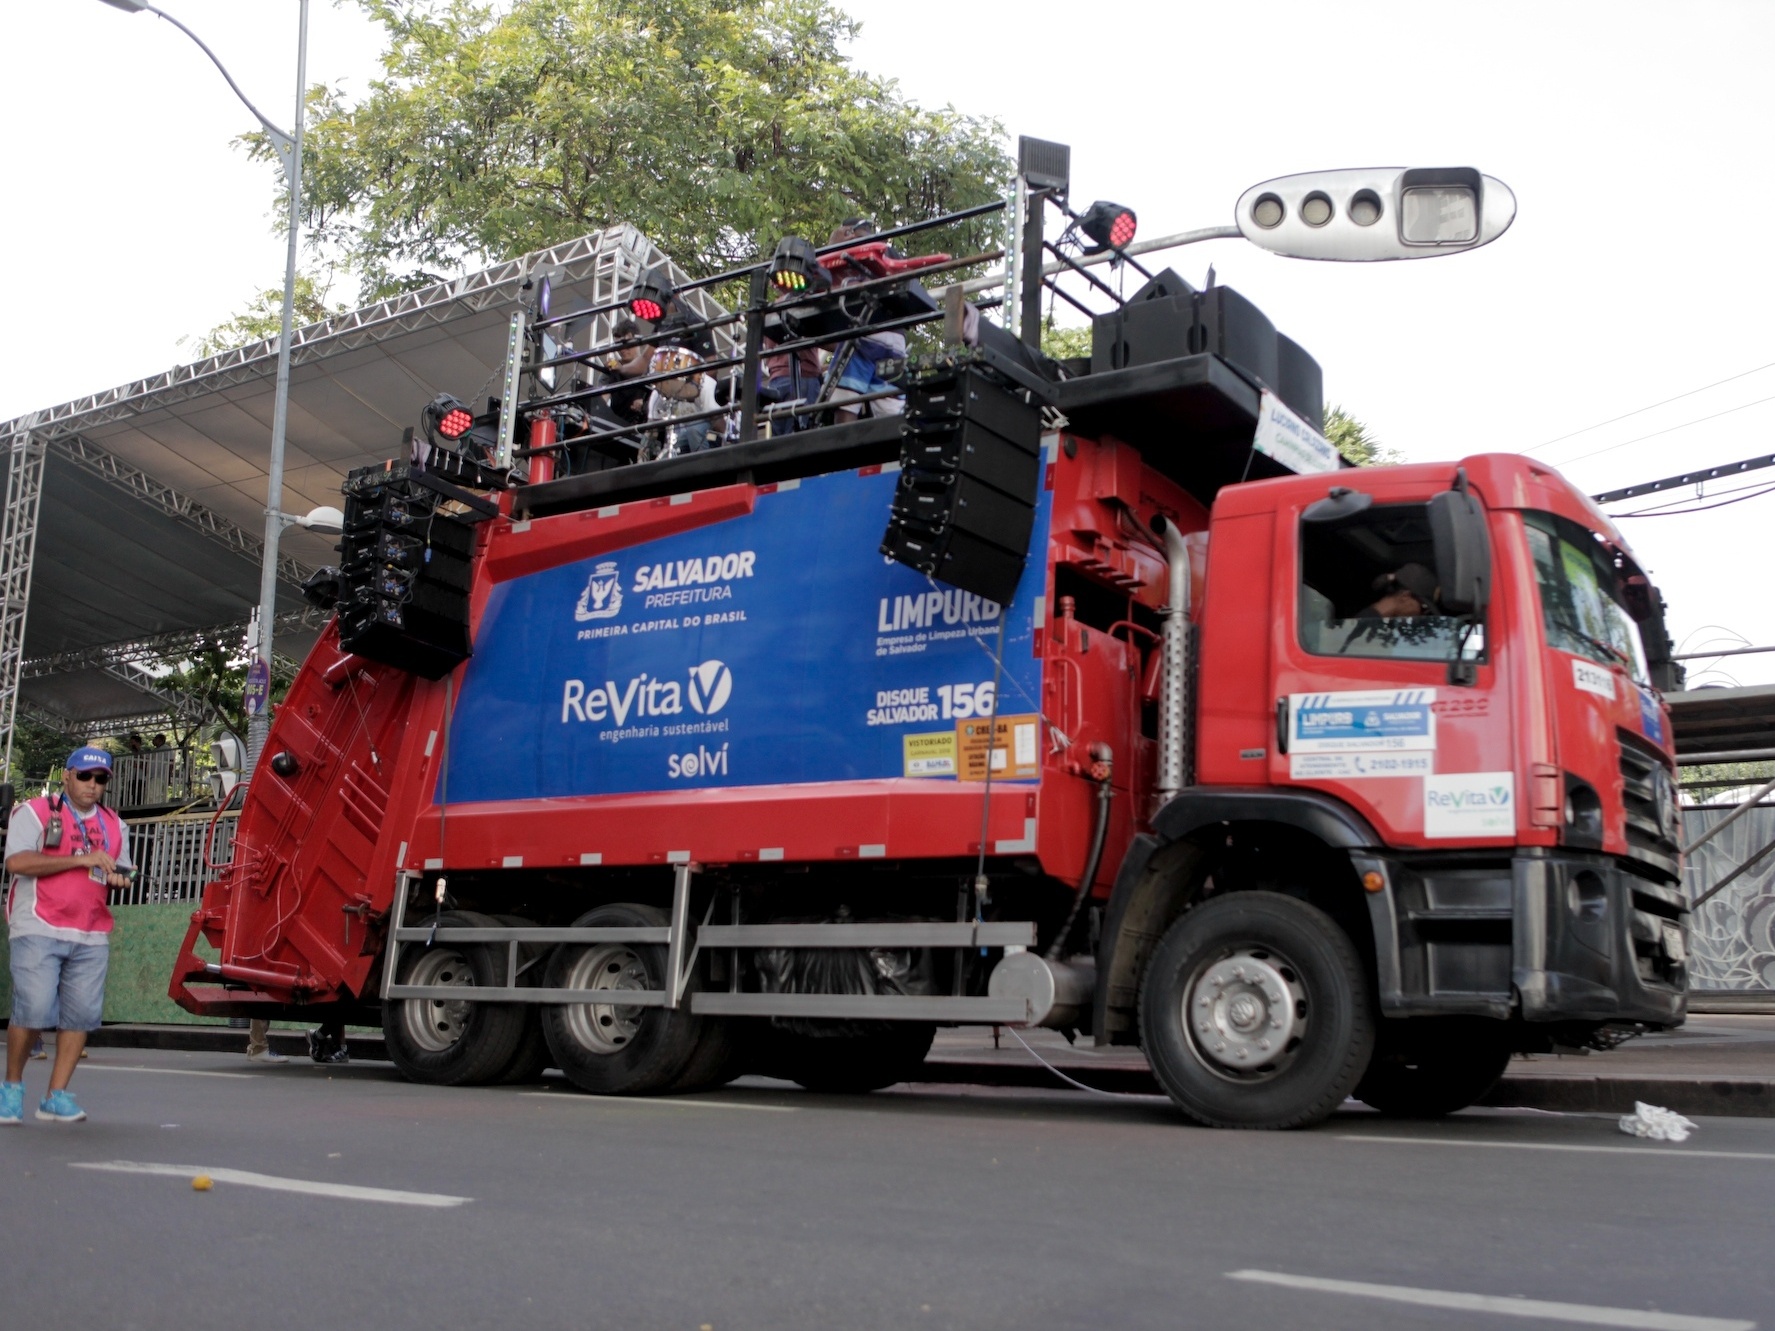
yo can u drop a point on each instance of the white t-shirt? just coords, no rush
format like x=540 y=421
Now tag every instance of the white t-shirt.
x=26 y=833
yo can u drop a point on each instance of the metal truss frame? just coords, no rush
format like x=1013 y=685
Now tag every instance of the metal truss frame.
x=608 y=258
x=138 y=484
x=163 y=646
x=18 y=549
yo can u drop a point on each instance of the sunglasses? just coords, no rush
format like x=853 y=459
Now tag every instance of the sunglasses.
x=101 y=777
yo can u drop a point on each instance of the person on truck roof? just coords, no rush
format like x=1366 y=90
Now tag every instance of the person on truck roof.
x=872 y=359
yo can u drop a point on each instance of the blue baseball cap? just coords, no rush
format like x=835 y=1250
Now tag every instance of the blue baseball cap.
x=89 y=759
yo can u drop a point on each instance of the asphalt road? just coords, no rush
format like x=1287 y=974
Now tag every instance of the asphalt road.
x=762 y=1206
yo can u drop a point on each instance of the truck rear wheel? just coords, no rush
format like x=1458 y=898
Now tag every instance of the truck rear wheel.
x=1434 y=1067
x=615 y=1048
x=850 y=1064
x=1254 y=1013
x=445 y=1043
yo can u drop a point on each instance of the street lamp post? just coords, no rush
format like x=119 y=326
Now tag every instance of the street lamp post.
x=289 y=151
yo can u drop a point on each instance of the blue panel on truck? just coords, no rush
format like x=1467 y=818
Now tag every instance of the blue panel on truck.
x=773 y=648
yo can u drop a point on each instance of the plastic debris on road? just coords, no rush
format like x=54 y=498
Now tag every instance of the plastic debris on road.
x=202 y=1183
x=1656 y=1123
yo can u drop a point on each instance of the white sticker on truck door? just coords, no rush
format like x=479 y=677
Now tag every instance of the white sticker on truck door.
x=1374 y=721
x=1470 y=804
x=1593 y=679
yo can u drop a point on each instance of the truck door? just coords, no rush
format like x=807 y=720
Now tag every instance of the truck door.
x=1365 y=707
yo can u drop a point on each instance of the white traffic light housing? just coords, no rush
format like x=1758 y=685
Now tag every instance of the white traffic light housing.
x=1368 y=214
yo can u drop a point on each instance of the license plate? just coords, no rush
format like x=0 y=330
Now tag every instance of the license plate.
x=1673 y=942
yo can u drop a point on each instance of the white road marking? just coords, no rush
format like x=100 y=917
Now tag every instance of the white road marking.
x=170 y=1072
x=675 y=1102
x=271 y=1182
x=1637 y=1319
x=1687 y=1152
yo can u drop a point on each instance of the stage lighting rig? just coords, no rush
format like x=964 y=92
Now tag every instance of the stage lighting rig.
x=795 y=267
x=653 y=291
x=1108 y=226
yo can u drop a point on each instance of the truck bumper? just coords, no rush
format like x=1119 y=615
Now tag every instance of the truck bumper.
x=1543 y=936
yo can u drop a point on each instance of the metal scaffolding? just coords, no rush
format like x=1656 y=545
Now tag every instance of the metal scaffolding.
x=18 y=548
x=185 y=447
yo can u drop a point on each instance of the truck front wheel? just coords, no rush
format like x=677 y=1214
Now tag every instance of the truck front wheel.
x=1254 y=1013
x=617 y=1048
x=453 y=1043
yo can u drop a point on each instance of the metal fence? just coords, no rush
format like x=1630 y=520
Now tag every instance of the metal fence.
x=1731 y=936
x=156 y=778
x=168 y=854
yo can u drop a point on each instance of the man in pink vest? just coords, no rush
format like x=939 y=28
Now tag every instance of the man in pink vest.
x=64 y=852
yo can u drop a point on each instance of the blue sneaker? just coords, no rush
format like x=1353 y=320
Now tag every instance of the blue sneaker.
x=60 y=1107
x=12 y=1102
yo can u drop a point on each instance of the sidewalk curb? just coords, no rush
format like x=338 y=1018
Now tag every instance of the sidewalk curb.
x=1732 y=1097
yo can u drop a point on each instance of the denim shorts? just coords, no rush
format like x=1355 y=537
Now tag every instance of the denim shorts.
x=58 y=986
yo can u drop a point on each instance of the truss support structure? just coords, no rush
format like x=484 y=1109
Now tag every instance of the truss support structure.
x=166 y=646
x=18 y=551
x=138 y=484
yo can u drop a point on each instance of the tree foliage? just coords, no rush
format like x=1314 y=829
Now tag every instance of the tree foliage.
x=213 y=675
x=263 y=316
x=1352 y=438
x=713 y=126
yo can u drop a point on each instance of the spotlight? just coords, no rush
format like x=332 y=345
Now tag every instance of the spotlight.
x=653 y=291
x=448 y=417
x=796 y=267
x=1109 y=225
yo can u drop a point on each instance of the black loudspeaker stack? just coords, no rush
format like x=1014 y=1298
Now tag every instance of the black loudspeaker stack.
x=970 y=472
x=404 y=568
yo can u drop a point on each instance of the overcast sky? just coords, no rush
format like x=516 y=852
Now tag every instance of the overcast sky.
x=1625 y=129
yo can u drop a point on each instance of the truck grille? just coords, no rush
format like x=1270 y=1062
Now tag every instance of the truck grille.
x=1649 y=795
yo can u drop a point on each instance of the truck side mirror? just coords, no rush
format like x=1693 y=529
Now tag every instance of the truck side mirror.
x=1463 y=550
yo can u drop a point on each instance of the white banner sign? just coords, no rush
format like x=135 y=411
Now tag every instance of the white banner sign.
x=1290 y=440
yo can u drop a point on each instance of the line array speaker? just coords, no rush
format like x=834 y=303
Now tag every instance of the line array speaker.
x=404 y=569
x=970 y=472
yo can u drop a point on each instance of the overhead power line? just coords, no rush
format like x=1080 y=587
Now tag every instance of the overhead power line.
x=1566 y=462
x=1637 y=411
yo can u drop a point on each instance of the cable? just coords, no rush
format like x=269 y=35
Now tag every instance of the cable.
x=1671 y=430
x=1697 y=497
x=1640 y=410
x=1071 y=1081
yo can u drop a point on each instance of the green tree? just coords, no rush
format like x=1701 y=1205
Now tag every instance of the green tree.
x=713 y=126
x=39 y=749
x=263 y=317
x=213 y=675
x=1066 y=343
x=1351 y=438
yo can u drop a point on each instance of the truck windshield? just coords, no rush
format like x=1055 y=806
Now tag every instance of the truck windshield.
x=1581 y=597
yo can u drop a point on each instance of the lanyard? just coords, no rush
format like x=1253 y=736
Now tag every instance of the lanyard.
x=86 y=841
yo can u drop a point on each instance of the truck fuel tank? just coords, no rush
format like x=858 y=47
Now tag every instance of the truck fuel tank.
x=1059 y=993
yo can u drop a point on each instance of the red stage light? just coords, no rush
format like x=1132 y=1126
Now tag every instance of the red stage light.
x=455 y=424
x=643 y=308
x=1107 y=224
x=1121 y=231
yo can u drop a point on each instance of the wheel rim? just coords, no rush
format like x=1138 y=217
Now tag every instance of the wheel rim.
x=1245 y=1014
x=435 y=1024
x=605 y=1028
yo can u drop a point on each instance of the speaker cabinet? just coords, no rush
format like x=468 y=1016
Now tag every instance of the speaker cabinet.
x=405 y=569
x=970 y=471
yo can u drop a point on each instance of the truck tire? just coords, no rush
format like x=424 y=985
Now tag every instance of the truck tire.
x=609 y=1049
x=443 y=1043
x=532 y=1056
x=1254 y=1013
x=850 y=1064
x=1435 y=1067
x=716 y=1061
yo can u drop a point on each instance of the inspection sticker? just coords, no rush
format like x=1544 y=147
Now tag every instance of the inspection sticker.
x=1378 y=721
x=1593 y=679
x=930 y=755
x=1470 y=804
x=1318 y=766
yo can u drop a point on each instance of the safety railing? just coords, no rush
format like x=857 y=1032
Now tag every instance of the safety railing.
x=155 y=779
x=169 y=857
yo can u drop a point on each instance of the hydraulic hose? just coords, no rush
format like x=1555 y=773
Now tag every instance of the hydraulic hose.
x=1102 y=768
